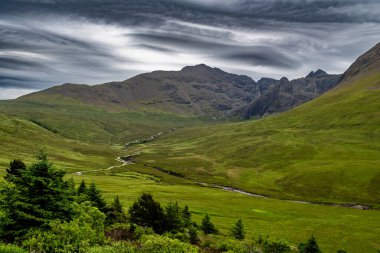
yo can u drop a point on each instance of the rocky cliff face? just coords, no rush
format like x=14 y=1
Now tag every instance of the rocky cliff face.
x=199 y=90
x=281 y=95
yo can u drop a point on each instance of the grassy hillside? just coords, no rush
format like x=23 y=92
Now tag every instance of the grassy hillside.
x=23 y=139
x=325 y=150
x=75 y=120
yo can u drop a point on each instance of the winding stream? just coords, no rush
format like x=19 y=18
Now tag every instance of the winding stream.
x=129 y=159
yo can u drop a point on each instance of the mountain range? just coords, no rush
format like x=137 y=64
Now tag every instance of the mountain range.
x=197 y=90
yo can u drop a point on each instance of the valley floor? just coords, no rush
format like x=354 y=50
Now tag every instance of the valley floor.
x=334 y=227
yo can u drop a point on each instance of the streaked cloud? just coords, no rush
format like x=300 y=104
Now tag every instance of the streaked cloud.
x=48 y=42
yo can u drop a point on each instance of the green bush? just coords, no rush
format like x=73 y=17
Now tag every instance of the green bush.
x=230 y=245
x=275 y=247
x=121 y=232
x=9 y=248
x=141 y=231
x=118 y=247
x=75 y=236
x=183 y=237
x=162 y=244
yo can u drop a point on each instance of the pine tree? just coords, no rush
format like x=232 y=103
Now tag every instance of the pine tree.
x=193 y=235
x=207 y=226
x=95 y=197
x=40 y=194
x=311 y=246
x=82 y=188
x=173 y=218
x=147 y=212
x=238 y=230
x=14 y=171
x=186 y=217
x=116 y=213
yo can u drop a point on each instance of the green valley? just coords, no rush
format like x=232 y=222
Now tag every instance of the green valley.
x=315 y=166
x=326 y=150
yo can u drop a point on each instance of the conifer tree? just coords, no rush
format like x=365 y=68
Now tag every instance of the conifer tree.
x=186 y=217
x=193 y=235
x=96 y=198
x=82 y=188
x=238 y=230
x=173 y=218
x=14 y=171
x=207 y=226
x=40 y=194
x=147 y=212
x=116 y=213
x=311 y=246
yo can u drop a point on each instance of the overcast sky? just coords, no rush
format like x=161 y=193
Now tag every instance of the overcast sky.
x=49 y=42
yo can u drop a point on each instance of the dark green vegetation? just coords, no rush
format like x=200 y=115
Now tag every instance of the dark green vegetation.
x=43 y=212
x=326 y=150
x=32 y=197
x=323 y=151
x=238 y=230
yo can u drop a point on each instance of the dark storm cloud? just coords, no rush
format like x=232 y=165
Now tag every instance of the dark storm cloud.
x=265 y=57
x=45 y=42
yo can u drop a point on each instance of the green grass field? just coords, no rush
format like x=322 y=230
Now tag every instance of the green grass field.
x=327 y=150
x=334 y=227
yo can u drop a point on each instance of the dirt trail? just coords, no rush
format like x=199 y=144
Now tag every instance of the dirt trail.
x=119 y=159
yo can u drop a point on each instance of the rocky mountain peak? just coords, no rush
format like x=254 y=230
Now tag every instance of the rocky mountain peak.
x=199 y=68
x=317 y=74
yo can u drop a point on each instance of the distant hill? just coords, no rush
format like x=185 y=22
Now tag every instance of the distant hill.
x=197 y=90
x=326 y=150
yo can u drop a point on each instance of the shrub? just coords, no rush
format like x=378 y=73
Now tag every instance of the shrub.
x=74 y=236
x=230 y=245
x=272 y=246
x=121 y=231
x=141 y=231
x=117 y=247
x=9 y=248
x=275 y=247
x=162 y=244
